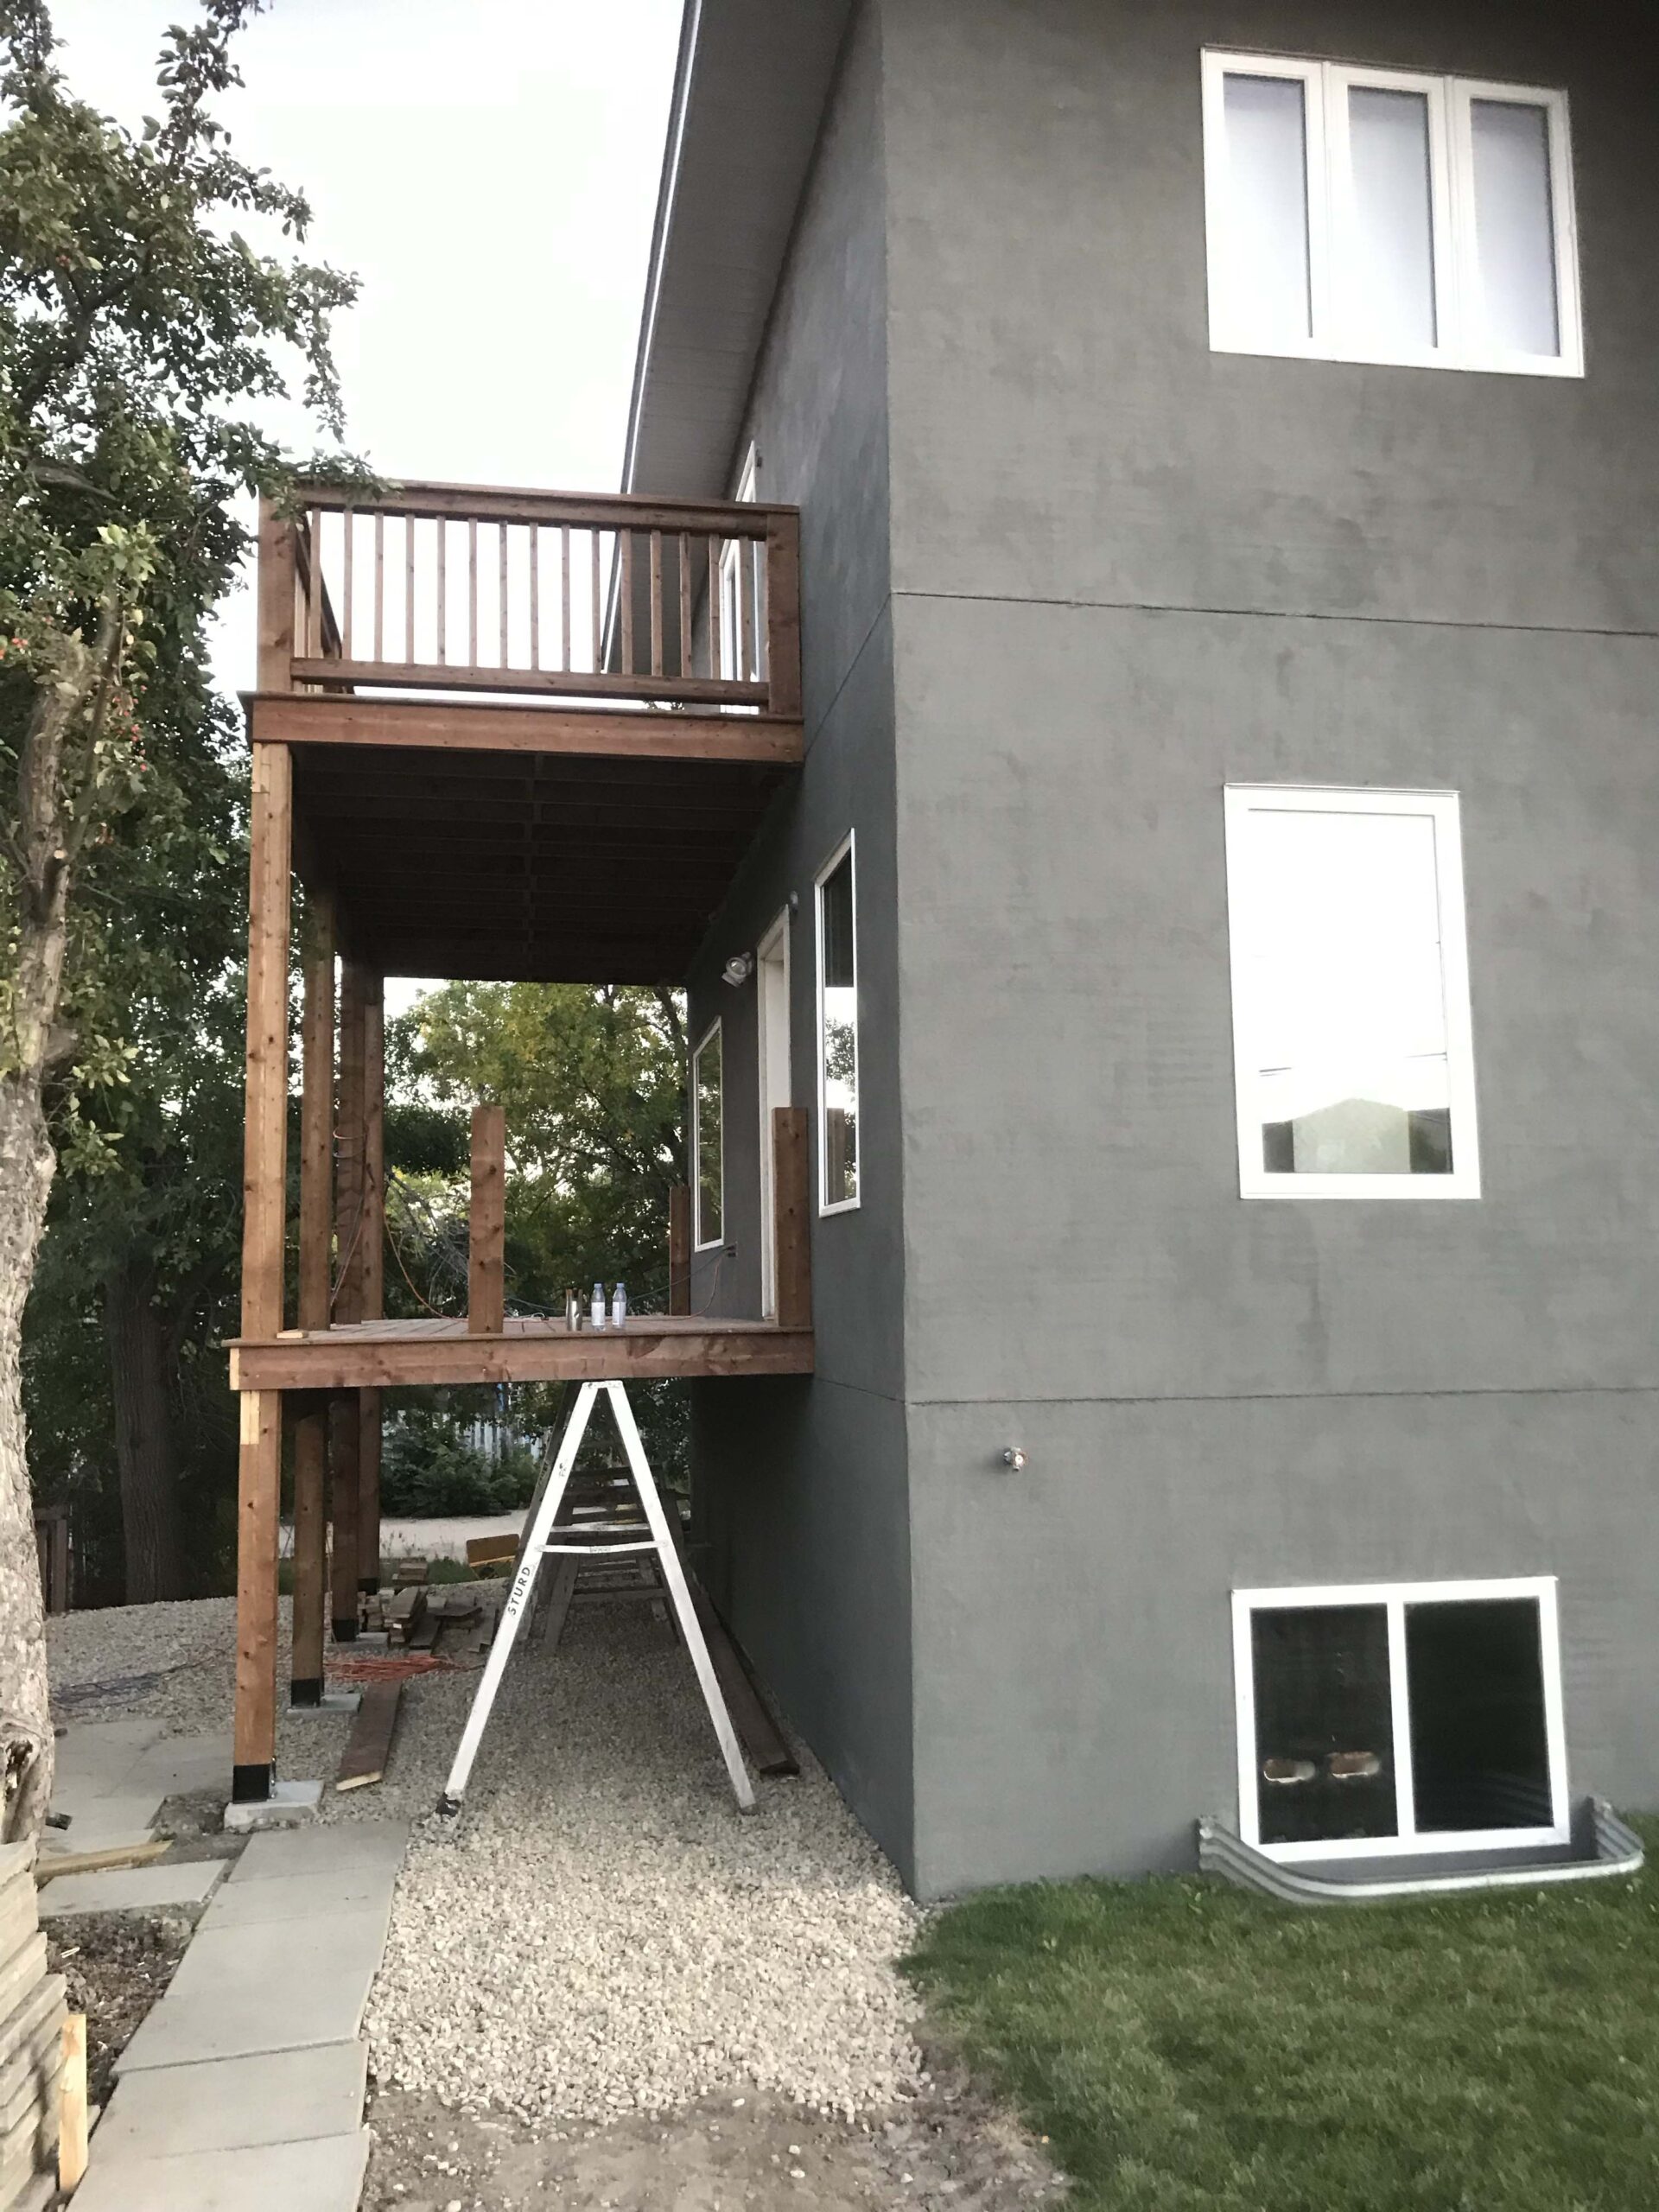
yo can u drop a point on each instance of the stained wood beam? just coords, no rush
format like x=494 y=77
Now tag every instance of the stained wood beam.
x=316 y=1234
x=264 y=1210
x=792 y=1206
x=452 y=725
x=345 y=1416
x=373 y=1275
x=486 y=1225
x=397 y=1355
x=679 y=1250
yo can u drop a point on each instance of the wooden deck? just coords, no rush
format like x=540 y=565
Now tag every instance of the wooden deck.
x=370 y=1355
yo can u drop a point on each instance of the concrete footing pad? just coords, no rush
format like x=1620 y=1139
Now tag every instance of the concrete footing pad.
x=329 y=1706
x=288 y=1803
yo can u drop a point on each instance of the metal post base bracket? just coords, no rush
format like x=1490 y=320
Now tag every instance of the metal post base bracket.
x=541 y=1542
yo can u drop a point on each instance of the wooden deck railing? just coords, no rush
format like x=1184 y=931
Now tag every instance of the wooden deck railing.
x=453 y=588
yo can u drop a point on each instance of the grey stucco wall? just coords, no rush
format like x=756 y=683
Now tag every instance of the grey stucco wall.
x=1127 y=571
x=800 y=1487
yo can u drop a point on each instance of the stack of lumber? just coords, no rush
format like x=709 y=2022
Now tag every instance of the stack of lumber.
x=32 y=2013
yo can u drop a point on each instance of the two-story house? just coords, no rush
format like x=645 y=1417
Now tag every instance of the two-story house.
x=1215 y=927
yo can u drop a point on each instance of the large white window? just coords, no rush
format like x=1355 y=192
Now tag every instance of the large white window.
x=838 y=1154
x=1378 y=215
x=1353 y=1056
x=1413 y=1716
x=708 y=1139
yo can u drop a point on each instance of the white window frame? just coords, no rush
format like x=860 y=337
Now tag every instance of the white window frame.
x=1330 y=198
x=773 y=944
x=1396 y=1596
x=848 y=845
x=1256 y=1181
x=699 y=1242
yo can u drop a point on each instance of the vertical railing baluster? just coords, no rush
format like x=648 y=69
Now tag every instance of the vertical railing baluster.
x=598 y=609
x=409 y=591
x=564 y=593
x=624 y=539
x=685 y=605
x=743 y=643
x=714 y=605
x=346 y=520
x=472 y=592
x=442 y=528
x=535 y=596
x=379 y=585
x=503 y=532
x=656 y=602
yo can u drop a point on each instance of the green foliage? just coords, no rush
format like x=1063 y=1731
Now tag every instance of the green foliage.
x=1188 y=2047
x=142 y=339
x=429 y=1467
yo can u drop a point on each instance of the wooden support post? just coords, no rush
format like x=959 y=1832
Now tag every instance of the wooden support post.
x=784 y=615
x=679 y=1250
x=373 y=1275
x=274 y=665
x=486 y=1225
x=264 y=1225
x=793 y=1264
x=73 y=2116
x=317 y=1231
x=345 y=1422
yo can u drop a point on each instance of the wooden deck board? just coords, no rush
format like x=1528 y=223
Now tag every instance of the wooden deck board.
x=365 y=1355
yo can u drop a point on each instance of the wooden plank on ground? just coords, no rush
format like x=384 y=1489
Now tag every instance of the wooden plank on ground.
x=369 y=1747
x=72 y=2113
x=762 y=1741
x=492 y=1551
x=549 y=1626
x=98 y=1862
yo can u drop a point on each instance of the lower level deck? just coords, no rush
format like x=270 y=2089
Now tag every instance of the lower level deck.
x=372 y=1355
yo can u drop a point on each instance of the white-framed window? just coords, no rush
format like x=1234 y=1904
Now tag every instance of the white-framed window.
x=837 y=919
x=709 y=1140
x=1384 y=215
x=1375 y=1720
x=1352 y=1044
x=743 y=591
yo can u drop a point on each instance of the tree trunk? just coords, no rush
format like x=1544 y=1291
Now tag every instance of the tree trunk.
x=26 y=1749
x=144 y=1453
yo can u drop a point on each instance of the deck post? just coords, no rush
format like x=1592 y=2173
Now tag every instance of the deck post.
x=486 y=1225
x=783 y=613
x=265 y=1223
x=373 y=1278
x=274 y=665
x=793 y=1252
x=679 y=1250
x=316 y=1231
x=344 y=1418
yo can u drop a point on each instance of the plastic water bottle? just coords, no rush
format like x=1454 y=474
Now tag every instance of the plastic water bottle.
x=598 y=1315
x=618 y=1306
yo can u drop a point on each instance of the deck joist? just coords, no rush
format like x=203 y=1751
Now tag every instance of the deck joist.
x=370 y=1355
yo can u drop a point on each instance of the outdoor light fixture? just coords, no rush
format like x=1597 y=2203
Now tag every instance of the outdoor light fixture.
x=739 y=969
x=1014 y=1459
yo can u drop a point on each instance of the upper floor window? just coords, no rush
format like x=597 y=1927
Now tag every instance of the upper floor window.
x=1352 y=1035
x=837 y=1035
x=1376 y=215
x=707 y=1140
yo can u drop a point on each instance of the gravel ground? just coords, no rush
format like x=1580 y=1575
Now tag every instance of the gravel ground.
x=600 y=1932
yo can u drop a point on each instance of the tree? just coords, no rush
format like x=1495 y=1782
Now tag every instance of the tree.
x=137 y=327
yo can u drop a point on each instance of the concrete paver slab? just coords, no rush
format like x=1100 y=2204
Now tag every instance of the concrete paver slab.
x=324 y=1850
x=277 y=1986
x=324 y=2175
x=103 y=1823
x=100 y=1752
x=131 y=1889
x=179 y=1765
x=232 y=2104
x=301 y=1897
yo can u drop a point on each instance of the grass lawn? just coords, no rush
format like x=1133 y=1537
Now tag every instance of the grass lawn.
x=1183 y=2044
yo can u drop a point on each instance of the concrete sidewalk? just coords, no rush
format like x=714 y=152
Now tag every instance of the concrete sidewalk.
x=243 y=2091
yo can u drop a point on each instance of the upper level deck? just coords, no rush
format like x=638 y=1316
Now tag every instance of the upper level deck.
x=532 y=732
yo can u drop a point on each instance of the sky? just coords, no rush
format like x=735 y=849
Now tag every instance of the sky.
x=488 y=168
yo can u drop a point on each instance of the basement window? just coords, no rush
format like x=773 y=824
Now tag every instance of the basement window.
x=1353 y=1050
x=837 y=1035
x=1406 y=1717
x=708 y=1139
x=1380 y=215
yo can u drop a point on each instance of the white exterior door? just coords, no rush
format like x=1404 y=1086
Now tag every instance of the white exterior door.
x=772 y=1012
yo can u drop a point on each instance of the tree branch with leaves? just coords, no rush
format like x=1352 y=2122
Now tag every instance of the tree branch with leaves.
x=140 y=336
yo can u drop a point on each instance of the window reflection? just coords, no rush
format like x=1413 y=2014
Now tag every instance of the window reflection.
x=838 y=1022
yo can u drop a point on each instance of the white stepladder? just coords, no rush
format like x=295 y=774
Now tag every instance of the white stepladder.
x=541 y=1543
